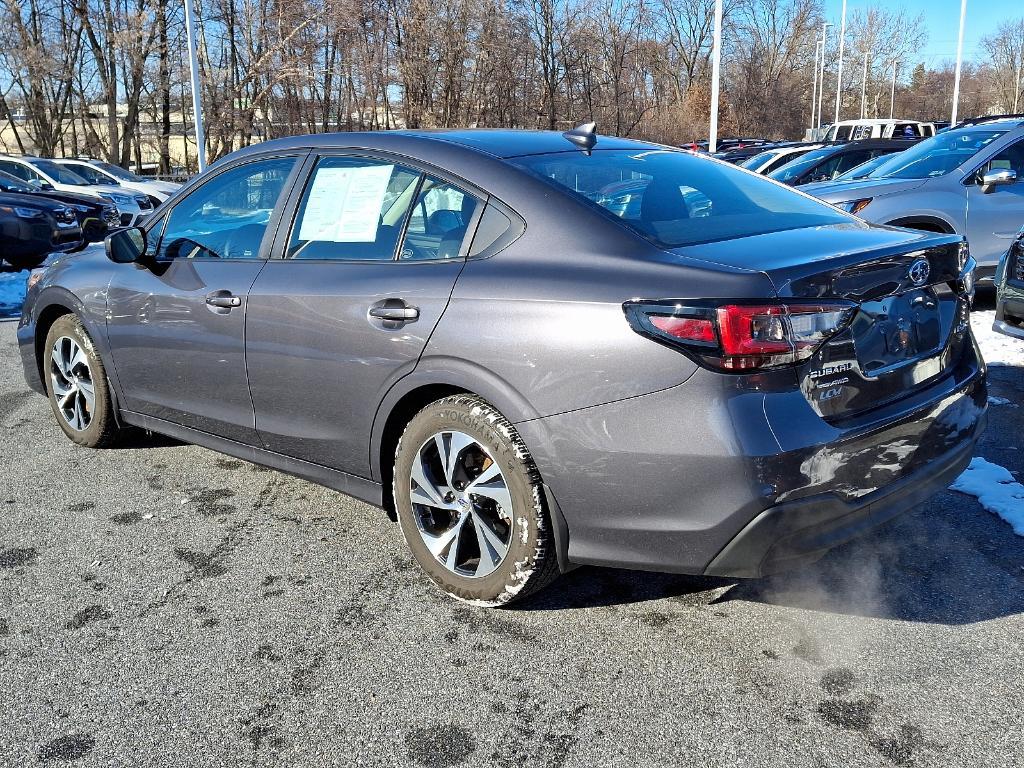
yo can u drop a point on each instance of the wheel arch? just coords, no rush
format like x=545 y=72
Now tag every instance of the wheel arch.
x=924 y=223
x=49 y=315
x=433 y=379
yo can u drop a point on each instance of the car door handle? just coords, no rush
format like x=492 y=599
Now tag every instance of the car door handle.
x=223 y=299
x=394 y=310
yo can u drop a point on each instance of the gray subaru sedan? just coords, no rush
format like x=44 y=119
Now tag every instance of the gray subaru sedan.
x=537 y=350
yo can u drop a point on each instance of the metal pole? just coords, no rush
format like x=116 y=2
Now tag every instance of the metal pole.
x=1016 y=83
x=821 y=91
x=839 y=77
x=892 y=92
x=197 y=100
x=814 y=87
x=716 y=60
x=959 y=61
x=863 y=85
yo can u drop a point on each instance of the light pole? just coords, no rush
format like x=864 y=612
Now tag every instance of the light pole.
x=814 y=87
x=821 y=91
x=863 y=84
x=839 y=77
x=959 y=61
x=716 y=61
x=892 y=92
x=1016 y=83
x=197 y=99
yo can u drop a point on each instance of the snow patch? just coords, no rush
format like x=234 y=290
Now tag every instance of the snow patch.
x=997 y=348
x=995 y=400
x=996 y=490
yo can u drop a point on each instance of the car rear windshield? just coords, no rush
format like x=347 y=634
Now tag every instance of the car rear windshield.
x=796 y=168
x=936 y=156
x=677 y=198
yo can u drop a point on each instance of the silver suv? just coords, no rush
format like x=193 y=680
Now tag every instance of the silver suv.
x=968 y=181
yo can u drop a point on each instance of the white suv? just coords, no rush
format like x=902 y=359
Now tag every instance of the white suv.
x=47 y=174
x=99 y=172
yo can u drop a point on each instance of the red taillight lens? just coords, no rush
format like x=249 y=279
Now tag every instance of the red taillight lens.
x=686 y=328
x=742 y=337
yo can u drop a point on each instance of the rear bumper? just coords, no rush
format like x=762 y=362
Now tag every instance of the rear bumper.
x=738 y=480
x=800 y=532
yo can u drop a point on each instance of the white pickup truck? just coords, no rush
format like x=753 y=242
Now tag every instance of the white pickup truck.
x=847 y=130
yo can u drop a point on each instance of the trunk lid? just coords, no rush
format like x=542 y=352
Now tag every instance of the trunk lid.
x=912 y=322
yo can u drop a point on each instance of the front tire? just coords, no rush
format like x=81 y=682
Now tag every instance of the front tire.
x=76 y=384
x=470 y=503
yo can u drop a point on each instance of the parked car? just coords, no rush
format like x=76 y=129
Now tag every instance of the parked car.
x=96 y=217
x=99 y=172
x=768 y=160
x=962 y=181
x=469 y=328
x=827 y=163
x=1009 y=282
x=32 y=228
x=857 y=172
x=853 y=130
x=43 y=173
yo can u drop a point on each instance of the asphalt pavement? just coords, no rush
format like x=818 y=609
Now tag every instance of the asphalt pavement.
x=163 y=605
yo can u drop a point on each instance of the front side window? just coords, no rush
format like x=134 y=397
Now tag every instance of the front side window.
x=227 y=216
x=676 y=198
x=439 y=221
x=1010 y=159
x=353 y=209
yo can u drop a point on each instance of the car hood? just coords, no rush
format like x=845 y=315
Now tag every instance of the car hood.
x=30 y=201
x=71 y=198
x=841 y=191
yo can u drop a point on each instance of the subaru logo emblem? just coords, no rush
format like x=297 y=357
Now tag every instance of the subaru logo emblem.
x=919 y=271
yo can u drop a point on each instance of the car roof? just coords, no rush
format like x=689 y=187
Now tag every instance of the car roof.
x=501 y=143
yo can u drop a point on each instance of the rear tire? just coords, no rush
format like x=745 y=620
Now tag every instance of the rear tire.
x=76 y=384
x=459 y=466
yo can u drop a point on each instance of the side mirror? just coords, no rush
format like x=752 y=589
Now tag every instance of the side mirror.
x=992 y=179
x=126 y=246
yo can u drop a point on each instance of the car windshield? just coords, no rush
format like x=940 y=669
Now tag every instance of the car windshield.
x=936 y=156
x=760 y=159
x=862 y=170
x=10 y=183
x=59 y=173
x=676 y=198
x=89 y=174
x=795 y=169
x=118 y=172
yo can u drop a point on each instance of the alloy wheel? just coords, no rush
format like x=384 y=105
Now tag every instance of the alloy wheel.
x=461 y=504
x=71 y=383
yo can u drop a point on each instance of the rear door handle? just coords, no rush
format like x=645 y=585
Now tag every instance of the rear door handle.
x=395 y=311
x=223 y=299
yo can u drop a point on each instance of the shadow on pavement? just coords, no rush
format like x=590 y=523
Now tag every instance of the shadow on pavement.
x=954 y=569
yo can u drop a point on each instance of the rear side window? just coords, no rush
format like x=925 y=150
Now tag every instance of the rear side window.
x=439 y=221
x=353 y=209
x=676 y=198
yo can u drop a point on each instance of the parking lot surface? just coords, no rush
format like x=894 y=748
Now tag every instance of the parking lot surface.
x=162 y=605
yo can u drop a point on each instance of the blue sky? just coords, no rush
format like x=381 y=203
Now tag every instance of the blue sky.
x=942 y=19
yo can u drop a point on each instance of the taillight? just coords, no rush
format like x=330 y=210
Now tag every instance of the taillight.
x=741 y=337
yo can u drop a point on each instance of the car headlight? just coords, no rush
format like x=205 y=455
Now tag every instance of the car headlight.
x=854 y=206
x=119 y=199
